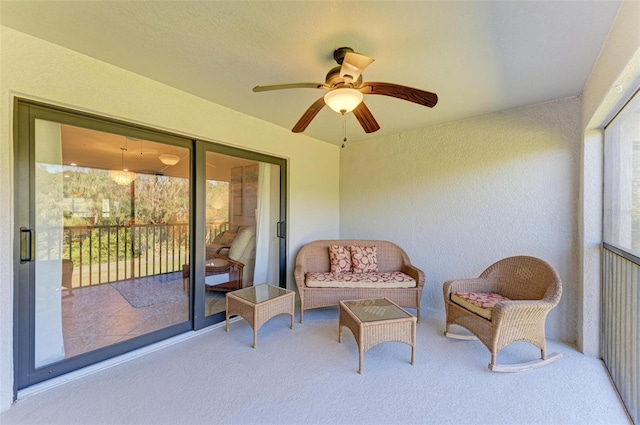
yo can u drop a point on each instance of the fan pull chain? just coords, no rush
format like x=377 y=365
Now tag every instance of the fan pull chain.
x=344 y=128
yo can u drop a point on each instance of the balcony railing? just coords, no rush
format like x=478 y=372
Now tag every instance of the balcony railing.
x=620 y=329
x=103 y=254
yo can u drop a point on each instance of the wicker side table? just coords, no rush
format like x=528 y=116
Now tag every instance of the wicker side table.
x=373 y=322
x=257 y=304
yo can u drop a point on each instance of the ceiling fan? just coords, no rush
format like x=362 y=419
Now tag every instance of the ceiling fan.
x=346 y=91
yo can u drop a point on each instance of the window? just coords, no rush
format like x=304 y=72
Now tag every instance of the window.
x=622 y=179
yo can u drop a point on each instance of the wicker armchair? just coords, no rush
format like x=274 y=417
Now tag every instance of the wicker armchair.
x=509 y=302
x=229 y=270
x=234 y=271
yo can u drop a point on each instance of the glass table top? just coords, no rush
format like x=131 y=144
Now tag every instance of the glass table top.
x=378 y=309
x=260 y=293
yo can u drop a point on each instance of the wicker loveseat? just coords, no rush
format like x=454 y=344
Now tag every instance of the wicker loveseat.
x=393 y=264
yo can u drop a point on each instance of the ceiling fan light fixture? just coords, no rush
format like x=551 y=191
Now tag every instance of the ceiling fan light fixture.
x=168 y=159
x=343 y=100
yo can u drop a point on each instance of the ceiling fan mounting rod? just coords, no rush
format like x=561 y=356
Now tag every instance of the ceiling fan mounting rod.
x=340 y=53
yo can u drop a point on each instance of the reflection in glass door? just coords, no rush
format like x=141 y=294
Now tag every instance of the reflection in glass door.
x=241 y=220
x=112 y=222
x=103 y=215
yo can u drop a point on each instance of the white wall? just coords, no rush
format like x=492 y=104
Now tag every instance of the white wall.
x=40 y=70
x=459 y=197
x=614 y=79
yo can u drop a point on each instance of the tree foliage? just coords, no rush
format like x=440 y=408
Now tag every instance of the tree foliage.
x=97 y=214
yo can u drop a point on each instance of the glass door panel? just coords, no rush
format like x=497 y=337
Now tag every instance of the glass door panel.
x=111 y=237
x=242 y=211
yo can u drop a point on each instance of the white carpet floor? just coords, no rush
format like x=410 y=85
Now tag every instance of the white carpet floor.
x=304 y=376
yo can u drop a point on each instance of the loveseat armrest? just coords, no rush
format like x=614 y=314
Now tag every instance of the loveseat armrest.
x=415 y=273
x=299 y=275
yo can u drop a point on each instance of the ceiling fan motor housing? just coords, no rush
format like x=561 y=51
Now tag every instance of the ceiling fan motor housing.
x=334 y=80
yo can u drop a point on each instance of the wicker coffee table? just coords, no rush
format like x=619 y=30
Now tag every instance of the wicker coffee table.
x=375 y=321
x=257 y=304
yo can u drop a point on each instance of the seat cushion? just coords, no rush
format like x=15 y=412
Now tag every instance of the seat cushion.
x=480 y=303
x=360 y=280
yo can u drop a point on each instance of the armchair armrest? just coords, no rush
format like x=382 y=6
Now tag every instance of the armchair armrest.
x=216 y=248
x=229 y=264
x=220 y=256
x=523 y=309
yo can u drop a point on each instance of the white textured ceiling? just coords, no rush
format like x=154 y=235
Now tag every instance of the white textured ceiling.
x=479 y=57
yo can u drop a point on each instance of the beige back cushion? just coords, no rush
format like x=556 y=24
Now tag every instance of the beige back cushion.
x=244 y=245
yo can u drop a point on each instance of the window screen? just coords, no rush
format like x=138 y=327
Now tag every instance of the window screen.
x=622 y=179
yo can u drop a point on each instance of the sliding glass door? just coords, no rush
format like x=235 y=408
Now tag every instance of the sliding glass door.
x=243 y=220
x=126 y=236
x=103 y=218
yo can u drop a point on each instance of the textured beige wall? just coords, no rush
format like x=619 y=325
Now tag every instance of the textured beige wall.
x=43 y=71
x=460 y=196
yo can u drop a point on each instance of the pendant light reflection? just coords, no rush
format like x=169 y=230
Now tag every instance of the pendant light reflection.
x=122 y=177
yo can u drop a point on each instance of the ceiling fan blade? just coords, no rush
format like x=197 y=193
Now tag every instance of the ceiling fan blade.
x=289 y=86
x=353 y=64
x=418 y=96
x=365 y=118
x=308 y=116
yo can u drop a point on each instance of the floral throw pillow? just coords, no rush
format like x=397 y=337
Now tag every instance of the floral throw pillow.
x=364 y=259
x=340 y=258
